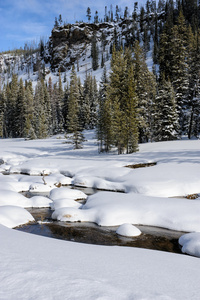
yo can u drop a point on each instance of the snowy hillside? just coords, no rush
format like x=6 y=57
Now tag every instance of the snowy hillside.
x=70 y=44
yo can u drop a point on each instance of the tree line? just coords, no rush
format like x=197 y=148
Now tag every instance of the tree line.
x=124 y=109
x=131 y=104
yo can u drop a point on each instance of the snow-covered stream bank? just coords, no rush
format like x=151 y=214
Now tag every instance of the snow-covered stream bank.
x=90 y=233
x=35 y=267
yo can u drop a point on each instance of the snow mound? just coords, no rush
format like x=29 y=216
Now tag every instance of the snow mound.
x=97 y=183
x=13 y=198
x=70 y=214
x=56 y=179
x=40 y=201
x=60 y=193
x=16 y=199
x=190 y=243
x=128 y=230
x=114 y=209
x=60 y=203
x=12 y=216
x=40 y=188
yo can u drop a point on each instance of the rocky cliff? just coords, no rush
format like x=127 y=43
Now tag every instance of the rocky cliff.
x=72 y=42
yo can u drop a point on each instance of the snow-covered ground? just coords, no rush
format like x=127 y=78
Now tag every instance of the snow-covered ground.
x=34 y=267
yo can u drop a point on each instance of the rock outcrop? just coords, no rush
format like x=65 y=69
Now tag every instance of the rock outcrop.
x=70 y=42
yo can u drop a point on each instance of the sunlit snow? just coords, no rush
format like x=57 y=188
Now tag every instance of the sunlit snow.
x=34 y=267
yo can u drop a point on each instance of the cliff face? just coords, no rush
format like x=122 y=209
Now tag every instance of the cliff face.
x=69 y=43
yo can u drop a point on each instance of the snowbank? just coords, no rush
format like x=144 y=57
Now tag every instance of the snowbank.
x=112 y=209
x=41 y=268
x=60 y=203
x=61 y=193
x=12 y=216
x=34 y=267
x=13 y=198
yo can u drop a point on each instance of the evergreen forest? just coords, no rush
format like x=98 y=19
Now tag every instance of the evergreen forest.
x=130 y=104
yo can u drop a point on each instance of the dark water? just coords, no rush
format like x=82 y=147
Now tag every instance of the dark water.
x=151 y=237
x=90 y=233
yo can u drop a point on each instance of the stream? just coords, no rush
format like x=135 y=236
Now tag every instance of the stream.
x=154 y=238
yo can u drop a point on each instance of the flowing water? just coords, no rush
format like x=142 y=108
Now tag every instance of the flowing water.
x=151 y=237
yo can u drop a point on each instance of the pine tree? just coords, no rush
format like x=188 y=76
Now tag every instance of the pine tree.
x=20 y=110
x=94 y=53
x=96 y=18
x=88 y=14
x=85 y=103
x=101 y=111
x=179 y=68
x=29 y=131
x=74 y=127
x=93 y=102
x=145 y=90
x=122 y=100
x=11 y=106
x=2 y=112
x=166 y=125
x=65 y=105
x=40 y=118
x=194 y=85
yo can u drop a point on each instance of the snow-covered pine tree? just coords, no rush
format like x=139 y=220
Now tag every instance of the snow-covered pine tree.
x=2 y=111
x=85 y=103
x=11 y=95
x=65 y=105
x=100 y=130
x=166 y=125
x=47 y=107
x=57 y=107
x=40 y=118
x=179 y=68
x=29 y=132
x=20 y=110
x=93 y=95
x=194 y=84
x=146 y=91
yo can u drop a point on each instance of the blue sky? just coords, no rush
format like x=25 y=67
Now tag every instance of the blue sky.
x=24 y=21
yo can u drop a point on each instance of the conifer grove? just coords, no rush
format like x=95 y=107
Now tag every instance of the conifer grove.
x=130 y=104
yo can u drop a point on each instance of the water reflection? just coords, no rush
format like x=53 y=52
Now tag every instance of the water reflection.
x=151 y=237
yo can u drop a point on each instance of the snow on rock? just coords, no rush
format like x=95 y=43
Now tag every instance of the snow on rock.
x=128 y=230
x=190 y=243
x=98 y=183
x=13 y=198
x=72 y=214
x=12 y=216
x=40 y=201
x=60 y=203
x=165 y=180
x=11 y=183
x=60 y=193
x=40 y=188
x=56 y=179
x=112 y=209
